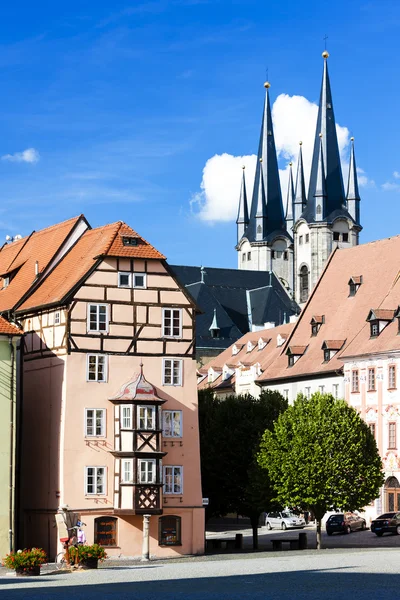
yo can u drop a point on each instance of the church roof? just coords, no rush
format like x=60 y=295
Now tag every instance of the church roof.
x=243 y=212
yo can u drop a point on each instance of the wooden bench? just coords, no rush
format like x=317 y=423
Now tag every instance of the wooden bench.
x=235 y=543
x=277 y=543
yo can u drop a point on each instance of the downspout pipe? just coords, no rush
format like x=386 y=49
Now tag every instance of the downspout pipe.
x=11 y=473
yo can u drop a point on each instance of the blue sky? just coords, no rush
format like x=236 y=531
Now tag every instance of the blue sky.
x=125 y=102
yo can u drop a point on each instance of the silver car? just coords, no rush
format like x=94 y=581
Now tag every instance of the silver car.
x=284 y=520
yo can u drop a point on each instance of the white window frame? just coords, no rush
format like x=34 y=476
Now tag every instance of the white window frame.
x=146 y=407
x=335 y=390
x=124 y=462
x=57 y=317
x=102 y=412
x=97 y=356
x=171 y=327
x=129 y=418
x=103 y=491
x=139 y=287
x=172 y=491
x=98 y=306
x=172 y=434
x=125 y=274
x=139 y=471
x=173 y=361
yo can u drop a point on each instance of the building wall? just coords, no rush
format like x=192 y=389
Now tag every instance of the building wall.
x=378 y=408
x=57 y=392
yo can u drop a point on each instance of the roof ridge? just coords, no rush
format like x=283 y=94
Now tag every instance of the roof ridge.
x=54 y=226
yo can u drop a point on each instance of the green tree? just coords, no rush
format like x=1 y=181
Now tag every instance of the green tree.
x=322 y=455
x=230 y=434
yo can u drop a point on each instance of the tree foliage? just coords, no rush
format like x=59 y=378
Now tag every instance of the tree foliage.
x=230 y=434
x=321 y=455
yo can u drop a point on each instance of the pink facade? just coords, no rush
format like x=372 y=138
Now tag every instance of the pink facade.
x=112 y=460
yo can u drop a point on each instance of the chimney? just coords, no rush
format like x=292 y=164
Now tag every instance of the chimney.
x=269 y=325
x=293 y=318
x=36 y=268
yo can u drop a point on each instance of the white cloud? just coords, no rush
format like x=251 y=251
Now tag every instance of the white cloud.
x=30 y=155
x=390 y=187
x=294 y=119
x=396 y=174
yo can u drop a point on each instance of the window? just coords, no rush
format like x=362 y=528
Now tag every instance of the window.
x=272 y=253
x=126 y=417
x=336 y=236
x=304 y=286
x=286 y=394
x=371 y=380
x=307 y=238
x=249 y=256
x=278 y=254
x=300 y=240
x=321 y=389
x=172 y=371
x=373 y=429
x=392 y=377
x=146 y=417
x=291 y=360
x=98 y=317
x=244 y=257
x=169 y=530
x=315 y=328
x=124 y=280
x=172 y=322
x=127 y=470
x=335 y=390
x=327 y=355
x=139 y=280
x=95 y=422
x=173 y=480
x=146 y=471
x=307 y=392
x=286 y=255
x=392 y=436
x=105 y=531
x=6 y=282
x=129 y=241
x=57 y=318
x=374 y=328
x=354 y=381
x=345 y=237
x=172 y=423
x=352 y=289
x=95 y=480
x=96 y=367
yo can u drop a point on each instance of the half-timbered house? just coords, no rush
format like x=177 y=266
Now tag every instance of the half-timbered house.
x=110 y=426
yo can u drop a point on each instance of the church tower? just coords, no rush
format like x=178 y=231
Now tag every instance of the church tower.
x=264 y=243
x=329 y=218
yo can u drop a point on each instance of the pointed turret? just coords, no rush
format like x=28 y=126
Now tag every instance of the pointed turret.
x=214 y=329
x=335 y=199
x=242 y=220
x=290 y=202
x=300 y=200
x=267 y=203
x=320 y=188
x=353 y=195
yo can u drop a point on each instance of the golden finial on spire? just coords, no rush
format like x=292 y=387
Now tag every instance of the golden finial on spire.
x=290 y=164
x=320 y=135
x=325 y=54
x=300 y=143
x=261 y=159
x=267 y=85
x=352 y=139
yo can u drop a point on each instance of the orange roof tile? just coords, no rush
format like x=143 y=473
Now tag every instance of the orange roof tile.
x=381 y=314
x=333 y=344
x=296 y=350
x=142 y=250
x=20 y=257
x=318 y=319
x=7 y=328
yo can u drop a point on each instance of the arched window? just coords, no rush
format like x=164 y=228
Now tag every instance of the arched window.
x=392 y=493
x=169 y=531
x=105 y=531
x=304 y=285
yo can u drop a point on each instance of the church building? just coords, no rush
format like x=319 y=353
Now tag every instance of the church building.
x=295 y=241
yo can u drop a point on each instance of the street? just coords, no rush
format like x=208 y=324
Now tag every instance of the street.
x=328 y=574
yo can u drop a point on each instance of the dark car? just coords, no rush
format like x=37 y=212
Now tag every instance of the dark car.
x=344 y=523
x=388 y=522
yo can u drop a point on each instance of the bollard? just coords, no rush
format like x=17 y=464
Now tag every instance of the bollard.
x=303 y=541
x=239 y=541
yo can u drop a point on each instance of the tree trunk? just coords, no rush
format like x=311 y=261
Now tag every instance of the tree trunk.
x=254 y=526
x=319 y=544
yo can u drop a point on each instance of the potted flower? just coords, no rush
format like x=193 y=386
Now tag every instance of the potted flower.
x=89 y=556
x=26 y=562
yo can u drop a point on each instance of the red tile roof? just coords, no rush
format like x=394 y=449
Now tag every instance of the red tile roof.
x=381 y=314
x=333 y=344
x=7 y=328
x=296 y=350
x=142 y=250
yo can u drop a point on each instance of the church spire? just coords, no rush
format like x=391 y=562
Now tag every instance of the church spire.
x=320 y=188
x=353 y=195
x=335 y=199
x=290 y=202
x=243 y=213
x=300 y=192
x=267 y=197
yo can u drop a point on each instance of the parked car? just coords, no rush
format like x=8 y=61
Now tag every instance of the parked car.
x=388 y=522
x=344 y=523
x=284 y=520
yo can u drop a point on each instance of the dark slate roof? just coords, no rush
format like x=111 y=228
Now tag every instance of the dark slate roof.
x=233 y=293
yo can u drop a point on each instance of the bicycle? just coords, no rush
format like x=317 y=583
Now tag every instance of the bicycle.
x=63 y=559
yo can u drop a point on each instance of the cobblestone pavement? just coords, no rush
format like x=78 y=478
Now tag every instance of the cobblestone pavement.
x=329 y=574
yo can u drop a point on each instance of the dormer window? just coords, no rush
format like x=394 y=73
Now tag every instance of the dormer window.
x=236 y=349
x=261 y=343
x=397 y=316
x=378 y=319
x=316 y=323
x=250 y=346
x=354 y=284
x=129 y=241
x=331 y=347
x=294 y=353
